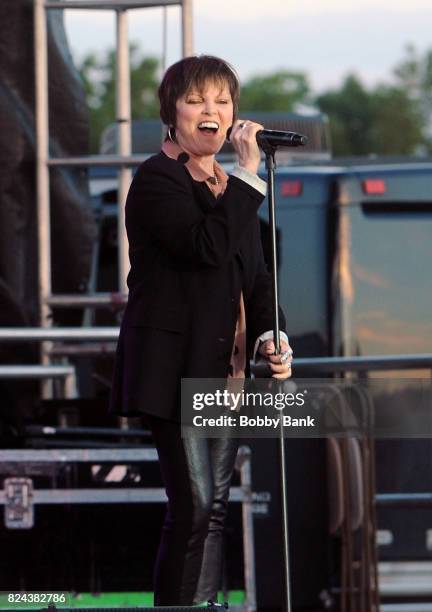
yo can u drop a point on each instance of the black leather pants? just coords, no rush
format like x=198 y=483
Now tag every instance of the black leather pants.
x=197 y=474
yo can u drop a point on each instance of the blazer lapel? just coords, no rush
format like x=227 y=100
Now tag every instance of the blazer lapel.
x=205 y=197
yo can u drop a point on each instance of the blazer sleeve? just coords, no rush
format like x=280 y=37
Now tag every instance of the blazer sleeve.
x=161 y=203
x=259 y=305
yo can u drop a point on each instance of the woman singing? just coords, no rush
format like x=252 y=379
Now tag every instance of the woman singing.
x=199 y=307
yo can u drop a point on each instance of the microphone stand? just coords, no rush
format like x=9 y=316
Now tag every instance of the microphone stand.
x=270 y=165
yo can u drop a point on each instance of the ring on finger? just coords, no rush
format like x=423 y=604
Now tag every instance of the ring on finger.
x=284 y=356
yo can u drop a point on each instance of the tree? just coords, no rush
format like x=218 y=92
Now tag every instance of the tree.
x=398 y=123
x=414 y=75
x=350 y=115
x=279 y=91
x=98 y=76
x=383 y=120
x=392 y=118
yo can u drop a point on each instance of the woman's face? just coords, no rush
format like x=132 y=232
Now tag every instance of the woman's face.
x=203 y=118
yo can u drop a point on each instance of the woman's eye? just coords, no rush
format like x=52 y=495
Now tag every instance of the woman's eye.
x=193 y=101
x=223 y=101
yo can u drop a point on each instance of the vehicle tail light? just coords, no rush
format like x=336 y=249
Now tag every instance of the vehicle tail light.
x=374 y=186
x=291 y=189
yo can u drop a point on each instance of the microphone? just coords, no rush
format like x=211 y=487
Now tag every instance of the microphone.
x=277 y=138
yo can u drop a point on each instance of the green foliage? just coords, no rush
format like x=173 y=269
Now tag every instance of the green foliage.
x=383 y=120
x=350 y=113
x=392 y=118
x=414 y=75
x=280 y=91
x=398 y=122
x=98 y=76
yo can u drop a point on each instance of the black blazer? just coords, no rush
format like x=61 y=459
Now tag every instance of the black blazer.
x=191 y=256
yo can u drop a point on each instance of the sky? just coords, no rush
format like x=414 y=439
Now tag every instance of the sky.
x=326 y=39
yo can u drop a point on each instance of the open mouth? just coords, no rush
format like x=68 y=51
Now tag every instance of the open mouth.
x=208 y=127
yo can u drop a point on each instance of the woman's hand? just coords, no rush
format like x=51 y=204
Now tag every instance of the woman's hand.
x=243 y=139
x=279 y=364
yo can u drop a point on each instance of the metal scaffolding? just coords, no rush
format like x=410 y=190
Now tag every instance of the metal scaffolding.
x=19 y=496
x=123 y=160
x=66 y=374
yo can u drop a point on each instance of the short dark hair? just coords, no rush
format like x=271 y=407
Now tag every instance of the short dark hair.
x=191 y=72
